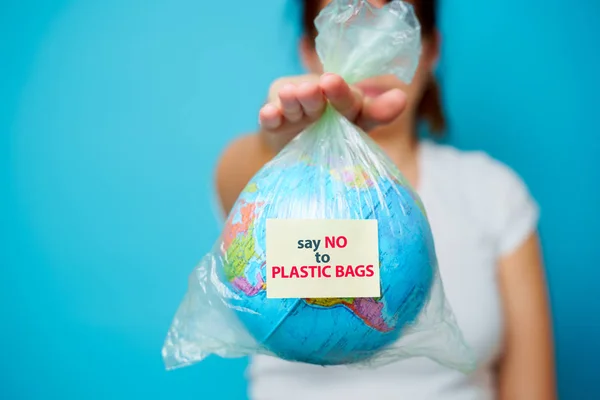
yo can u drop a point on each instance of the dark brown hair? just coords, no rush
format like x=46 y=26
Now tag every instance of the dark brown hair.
x=430 y=107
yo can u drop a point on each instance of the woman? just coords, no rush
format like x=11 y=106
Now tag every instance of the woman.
x=483 y=220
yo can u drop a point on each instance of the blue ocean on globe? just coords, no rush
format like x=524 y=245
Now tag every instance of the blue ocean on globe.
x=338 y=330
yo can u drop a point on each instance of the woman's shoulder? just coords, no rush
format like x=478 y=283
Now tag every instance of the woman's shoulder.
x=474 y=163
x=483 y=187
x=470 y=169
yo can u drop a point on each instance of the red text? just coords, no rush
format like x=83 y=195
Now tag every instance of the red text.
x=331 y=242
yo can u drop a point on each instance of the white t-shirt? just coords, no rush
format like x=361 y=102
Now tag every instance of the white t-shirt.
x=479 y=210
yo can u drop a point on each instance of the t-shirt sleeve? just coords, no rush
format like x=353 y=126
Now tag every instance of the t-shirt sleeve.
x=519 y=217
x=512 y=213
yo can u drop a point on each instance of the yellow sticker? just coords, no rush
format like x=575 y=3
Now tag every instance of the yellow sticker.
x=322 y=258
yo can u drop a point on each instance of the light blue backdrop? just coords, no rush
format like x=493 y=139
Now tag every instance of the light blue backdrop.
x=112 y=116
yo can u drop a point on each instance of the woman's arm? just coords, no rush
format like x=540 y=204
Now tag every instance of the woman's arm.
x=237 y=165
x=526 y=371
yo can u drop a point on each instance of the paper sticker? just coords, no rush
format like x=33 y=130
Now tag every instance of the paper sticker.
x=322 y=258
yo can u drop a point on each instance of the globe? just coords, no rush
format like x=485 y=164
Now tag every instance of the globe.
x=329 y=331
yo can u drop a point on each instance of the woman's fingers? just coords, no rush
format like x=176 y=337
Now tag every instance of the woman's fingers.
x=311 y=99
x=270 y=117
x=367 y=113
x=382 y=109
x=290 y=106
x=295 y=104
x=347 y=100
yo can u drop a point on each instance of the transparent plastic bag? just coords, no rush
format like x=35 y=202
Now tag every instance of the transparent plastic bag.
x=275 y=283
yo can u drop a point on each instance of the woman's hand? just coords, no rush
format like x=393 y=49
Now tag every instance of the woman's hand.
x=294 y=103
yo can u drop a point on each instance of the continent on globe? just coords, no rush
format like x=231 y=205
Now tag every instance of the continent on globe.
x=251 y=188
x=238 y=239
x=355 y=176
x=367 y=309
x=248 y=288
x=233 y=230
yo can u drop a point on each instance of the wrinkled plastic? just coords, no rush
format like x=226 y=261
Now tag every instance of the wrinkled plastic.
x=332 y=170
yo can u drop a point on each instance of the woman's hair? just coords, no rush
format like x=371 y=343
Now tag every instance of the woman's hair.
x=430 y=107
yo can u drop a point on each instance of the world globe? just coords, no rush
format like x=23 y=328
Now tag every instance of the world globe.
x=330 y=331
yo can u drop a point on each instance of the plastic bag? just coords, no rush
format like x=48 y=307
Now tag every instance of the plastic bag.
x=327 y=257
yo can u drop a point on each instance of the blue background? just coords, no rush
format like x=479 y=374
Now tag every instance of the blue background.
x=113 y=114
